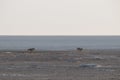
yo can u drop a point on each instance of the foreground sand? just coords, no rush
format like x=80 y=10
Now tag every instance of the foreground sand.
x=60 y=65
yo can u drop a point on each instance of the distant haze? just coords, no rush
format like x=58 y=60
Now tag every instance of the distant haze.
x=59 y=42
x=59 y=17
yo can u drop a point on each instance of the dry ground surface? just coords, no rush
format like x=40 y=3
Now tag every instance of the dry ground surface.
x=60 y=65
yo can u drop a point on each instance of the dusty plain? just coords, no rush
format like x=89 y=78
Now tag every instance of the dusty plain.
x=60 y=65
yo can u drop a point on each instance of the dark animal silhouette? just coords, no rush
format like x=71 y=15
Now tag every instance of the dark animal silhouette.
x=79 y=49
x=30 y=50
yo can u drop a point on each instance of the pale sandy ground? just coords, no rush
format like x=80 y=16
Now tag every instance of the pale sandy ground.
x=60 y=65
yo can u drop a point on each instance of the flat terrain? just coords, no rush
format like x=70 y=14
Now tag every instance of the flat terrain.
x=60 y=65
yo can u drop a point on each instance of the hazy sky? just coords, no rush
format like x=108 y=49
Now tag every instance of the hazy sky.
x=59 y=17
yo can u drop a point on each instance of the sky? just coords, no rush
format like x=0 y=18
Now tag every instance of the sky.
x=59 y=17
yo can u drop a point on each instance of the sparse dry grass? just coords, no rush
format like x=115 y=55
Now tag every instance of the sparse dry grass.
x=60 y=65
